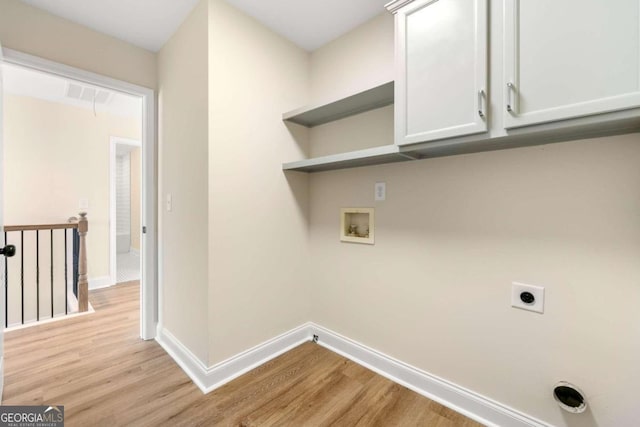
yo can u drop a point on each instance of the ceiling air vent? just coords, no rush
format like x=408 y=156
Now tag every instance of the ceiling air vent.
x=88 y=94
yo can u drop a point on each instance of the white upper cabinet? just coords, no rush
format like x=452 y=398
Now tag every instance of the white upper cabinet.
x=569 y=59
x=441 y=69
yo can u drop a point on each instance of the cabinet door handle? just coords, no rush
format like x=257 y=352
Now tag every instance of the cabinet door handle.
x=481 y=103
x=510 y=88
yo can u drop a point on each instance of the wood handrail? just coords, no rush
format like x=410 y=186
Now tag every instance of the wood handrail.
x=34 y=227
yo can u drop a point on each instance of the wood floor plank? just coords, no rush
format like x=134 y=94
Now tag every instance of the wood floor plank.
x=98 y=368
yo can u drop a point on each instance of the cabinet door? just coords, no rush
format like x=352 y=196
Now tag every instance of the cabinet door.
x=569 y=58
x=441 y=76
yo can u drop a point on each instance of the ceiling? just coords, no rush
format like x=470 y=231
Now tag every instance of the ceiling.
x=150 y=23
x=35 y=84
x=311 y=23
x=144 y=23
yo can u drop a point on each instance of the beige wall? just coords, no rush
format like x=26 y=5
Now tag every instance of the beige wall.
x=243 y=221
x=454 y=233
x=183 y=136
x=370 y=129
x=434 y=291
x=48 y=168
x=136 y=165
x=30 y=30
x=258 y=264
x=360 y=59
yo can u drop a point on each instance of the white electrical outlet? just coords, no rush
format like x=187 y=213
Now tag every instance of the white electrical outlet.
x=169 y=202
x=83 y=204
x=527 y=297
x=380 y=191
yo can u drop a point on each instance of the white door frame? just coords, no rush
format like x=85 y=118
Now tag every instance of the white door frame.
x=2 y=283
x=149 y=249
x=114 y=141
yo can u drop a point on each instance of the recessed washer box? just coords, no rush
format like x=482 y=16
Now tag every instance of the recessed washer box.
x=357 y=225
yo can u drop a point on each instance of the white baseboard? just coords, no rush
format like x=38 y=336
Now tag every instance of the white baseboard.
x=58 y=317
x=212 y=377
x=100 y=282
x=189 y=362
x=461 y=400
x=466 y=402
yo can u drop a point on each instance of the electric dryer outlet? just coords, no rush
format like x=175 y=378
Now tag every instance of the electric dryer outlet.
x=527 y=297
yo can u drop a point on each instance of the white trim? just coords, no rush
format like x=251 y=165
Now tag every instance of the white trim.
x=189 y=362
x=56 y=318
x=149 y=287
x=112 y=208
x=100 y=282
x=212 y=377
x=464 y=401
x=394 y=6
x=125 y=141
x=113 y=142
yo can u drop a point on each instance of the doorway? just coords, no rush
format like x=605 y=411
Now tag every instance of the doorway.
x=125 y=202
x=147 y=245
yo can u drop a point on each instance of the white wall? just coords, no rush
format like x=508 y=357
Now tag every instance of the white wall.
x=183 y=159
x=454 y=232
x=257 y=214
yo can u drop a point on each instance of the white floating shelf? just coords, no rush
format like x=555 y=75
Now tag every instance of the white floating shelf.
x=336 y=109
x=352 y=159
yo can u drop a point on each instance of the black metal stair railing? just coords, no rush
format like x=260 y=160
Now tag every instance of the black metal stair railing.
x=76 y=258
x=58 y=240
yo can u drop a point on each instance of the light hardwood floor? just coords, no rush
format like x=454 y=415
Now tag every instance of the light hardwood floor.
x=104 y=375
